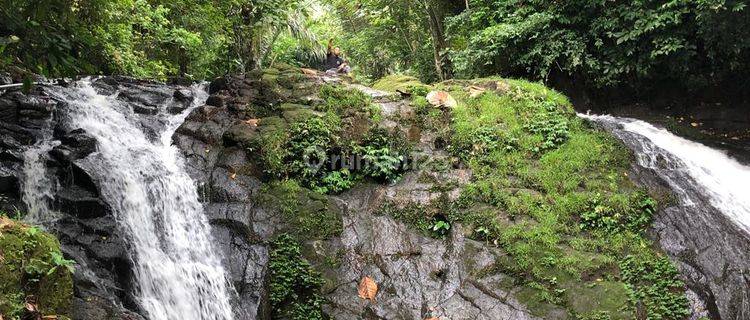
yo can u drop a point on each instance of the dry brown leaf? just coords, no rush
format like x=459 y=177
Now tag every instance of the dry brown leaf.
x=252 y=122
x=48 y=318
x=441 y=98
x=233 y=176
x=367 y=288
x=433 y=318
x=475 y=91
x=4 y=222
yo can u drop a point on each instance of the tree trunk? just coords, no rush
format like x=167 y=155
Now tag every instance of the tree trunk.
x=435 y=20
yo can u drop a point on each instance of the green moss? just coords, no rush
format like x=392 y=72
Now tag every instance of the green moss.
x=554 y=194
x=268 y=146
x=309 y=215
x=401 y=83
x=599 y=298
x=344 y=101
x=31 y=264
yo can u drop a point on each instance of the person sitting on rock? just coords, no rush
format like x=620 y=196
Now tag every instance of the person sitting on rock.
x=334 y=62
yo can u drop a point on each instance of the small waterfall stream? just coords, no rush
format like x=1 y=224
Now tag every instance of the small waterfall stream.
x=693 y=170
x=706 y=232
x=178 y=272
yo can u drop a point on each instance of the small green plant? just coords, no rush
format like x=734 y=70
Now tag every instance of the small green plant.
x=58 y=261
x=636 y=217
x=551 y=125
x=418 y=90
x=654 y=282
x=383 y=155
x=294 y=284
x=441 y=227
x=336 y=181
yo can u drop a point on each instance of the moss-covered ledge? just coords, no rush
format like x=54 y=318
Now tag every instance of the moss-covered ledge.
x=554 y=194
x=545 y=188
x=33 y=270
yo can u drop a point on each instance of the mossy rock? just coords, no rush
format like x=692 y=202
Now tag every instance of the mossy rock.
x=31 y=264
x=603 y=297
x=292 y=112
x=242 y=134
x=309 y=215
x=267 y=146
x=403 y=83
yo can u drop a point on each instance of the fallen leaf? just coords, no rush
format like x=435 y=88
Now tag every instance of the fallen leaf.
x=253 y=122
x=207 y=151
x=233 y=176
x=441 y=98
x=433 y=318
x=367 y=288
x=693 y=124
x=4 y=222
x=475 y=91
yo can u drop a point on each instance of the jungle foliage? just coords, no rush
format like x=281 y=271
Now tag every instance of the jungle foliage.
x=150 y=38
x=601 y=44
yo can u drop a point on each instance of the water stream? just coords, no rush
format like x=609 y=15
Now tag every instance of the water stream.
x=178 y=271
x=694 y=171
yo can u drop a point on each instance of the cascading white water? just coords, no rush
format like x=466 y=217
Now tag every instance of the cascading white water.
x=37 y=187
x=686 y=164
x=179 y=272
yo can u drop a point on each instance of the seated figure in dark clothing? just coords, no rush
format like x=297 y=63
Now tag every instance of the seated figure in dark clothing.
x=334 y=62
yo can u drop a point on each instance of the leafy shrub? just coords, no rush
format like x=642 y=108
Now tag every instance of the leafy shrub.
x=308 y=149
x=551 y=125
x=336 y=181
x=313 y=152
x=655 y=282
x=383 y=155
x=636 y=217
x=602 y=43
x=294 y=284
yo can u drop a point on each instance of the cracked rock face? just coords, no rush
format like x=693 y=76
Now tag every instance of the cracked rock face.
x=418 y=277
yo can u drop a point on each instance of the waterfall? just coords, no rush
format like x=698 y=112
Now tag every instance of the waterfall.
x=37 y=186
x=696 y=172
x=178 y=270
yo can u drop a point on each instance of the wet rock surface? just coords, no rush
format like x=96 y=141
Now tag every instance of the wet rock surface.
x=86 y=228
x=706 y=246
x=418 y=276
